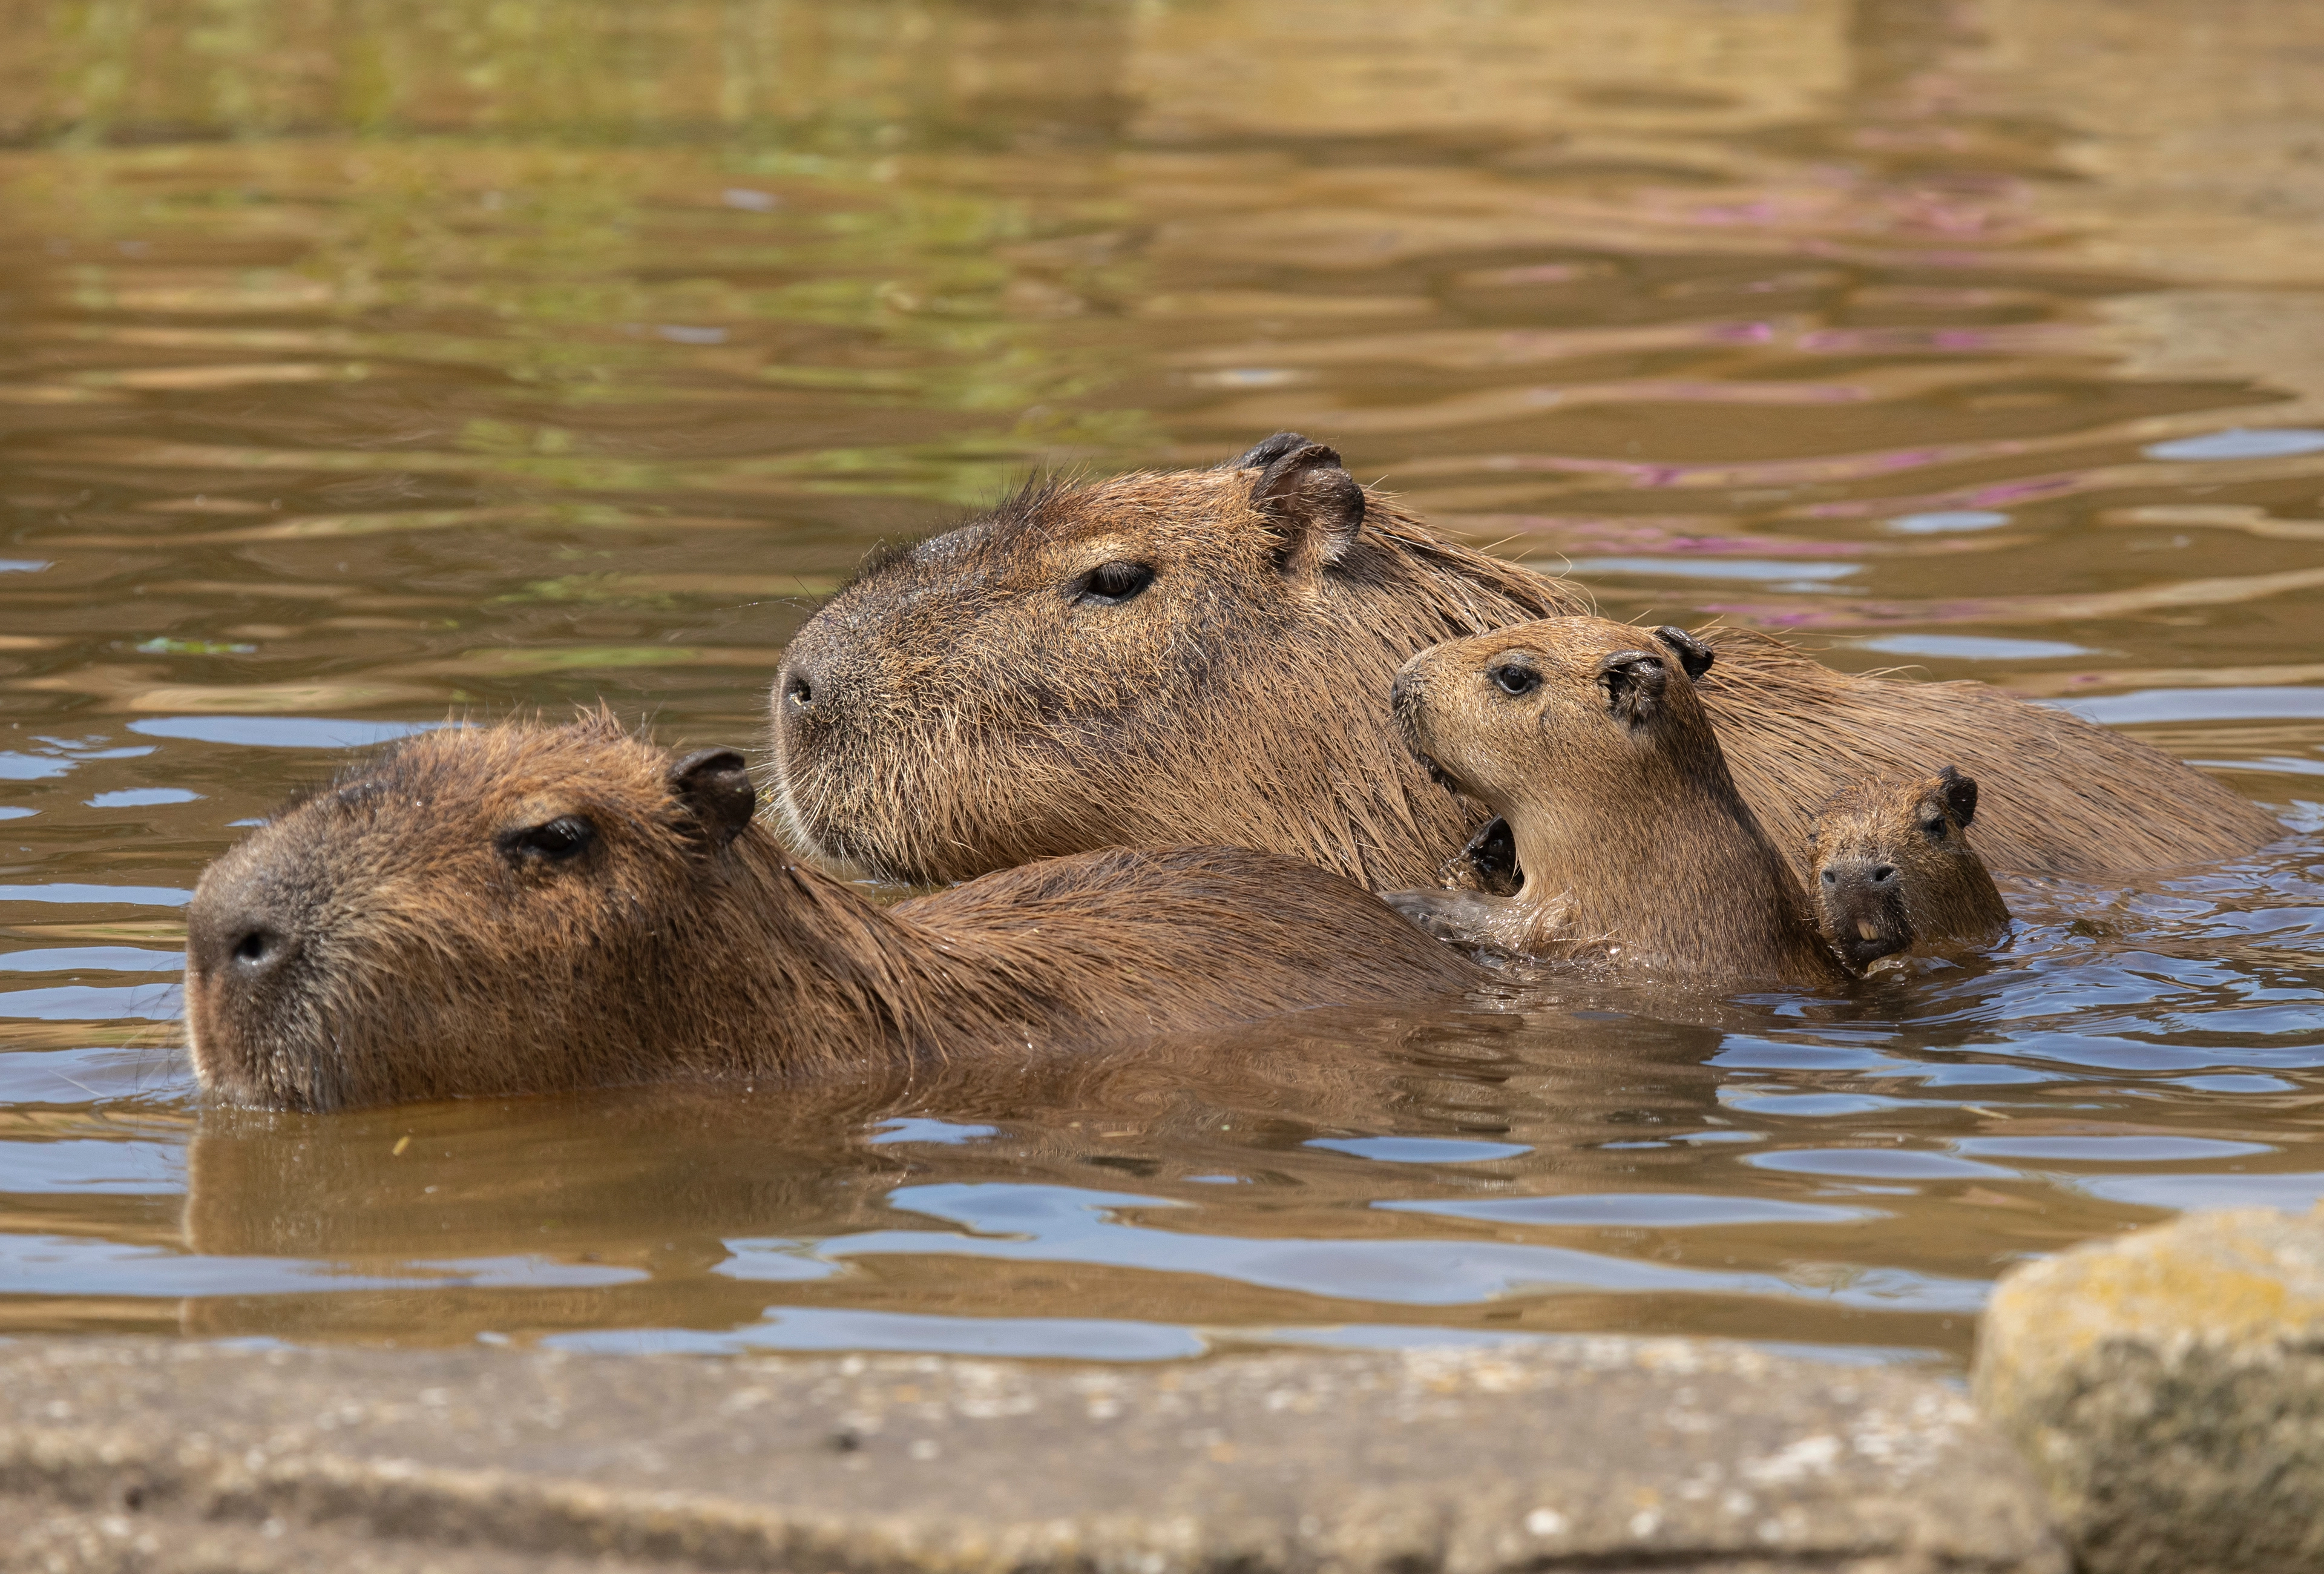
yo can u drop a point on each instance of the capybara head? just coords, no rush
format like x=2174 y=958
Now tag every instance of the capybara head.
x=1183 y=657
x=1567 y=710
x=471 y=912
x=1893 y=867
x=1634 y=847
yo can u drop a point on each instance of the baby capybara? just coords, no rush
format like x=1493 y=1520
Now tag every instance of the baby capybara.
x=1894 y=871
x=1201 y=656
x=523 y=908
x=1588 y=739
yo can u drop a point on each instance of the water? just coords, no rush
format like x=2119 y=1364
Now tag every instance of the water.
x=365 y=368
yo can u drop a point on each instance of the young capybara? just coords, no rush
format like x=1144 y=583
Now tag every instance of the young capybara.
x=1200 y=656
x=1587 y=738
x=1894 y=871
x=524 y=909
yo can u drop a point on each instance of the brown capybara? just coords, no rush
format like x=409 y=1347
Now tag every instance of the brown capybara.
x=524 y=909
x=1588 y=739
x=1202 y=656
x=1894 y=871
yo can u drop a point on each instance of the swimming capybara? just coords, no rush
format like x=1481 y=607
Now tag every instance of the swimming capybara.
x=1894 y=870
x=1202 y=656
x=524 y=909
x=1588 y=739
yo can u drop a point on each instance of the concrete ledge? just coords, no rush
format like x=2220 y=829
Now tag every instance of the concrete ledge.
x=1589 y=1453
x=2168 y=1388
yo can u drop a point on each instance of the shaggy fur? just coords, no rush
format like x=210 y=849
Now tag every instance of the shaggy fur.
x=1894 y=870
x=1636 y=848
x=415 y=943
x=966 y=705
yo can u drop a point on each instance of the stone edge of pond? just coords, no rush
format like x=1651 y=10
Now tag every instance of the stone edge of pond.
x=2167 y=1388
x=1582 y=1453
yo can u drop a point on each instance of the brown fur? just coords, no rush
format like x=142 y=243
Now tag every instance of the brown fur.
x=403 y=936
x=970 y=705
x=1636 y=848
x=1894 y=870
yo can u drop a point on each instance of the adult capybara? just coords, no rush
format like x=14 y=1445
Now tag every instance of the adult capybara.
x=1201 y=656
x=1894 y=871
x=523 y=908
x=1586 y=737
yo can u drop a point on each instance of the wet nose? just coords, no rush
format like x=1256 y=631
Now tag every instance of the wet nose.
x=1863 y=911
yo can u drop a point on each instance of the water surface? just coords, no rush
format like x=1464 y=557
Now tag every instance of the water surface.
x=363 y=368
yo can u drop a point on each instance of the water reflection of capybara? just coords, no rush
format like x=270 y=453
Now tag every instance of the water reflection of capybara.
x=1203 y=656
x=1588 y=739
x=524 y=909
x=1894 y=870
x=632 y=1199
x=700 y=1206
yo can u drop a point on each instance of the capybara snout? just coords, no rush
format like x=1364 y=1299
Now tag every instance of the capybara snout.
x=1863 y=910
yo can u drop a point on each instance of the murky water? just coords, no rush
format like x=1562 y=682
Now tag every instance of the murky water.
x=364 y=365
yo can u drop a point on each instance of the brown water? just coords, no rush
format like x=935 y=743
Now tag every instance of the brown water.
x=362 y=365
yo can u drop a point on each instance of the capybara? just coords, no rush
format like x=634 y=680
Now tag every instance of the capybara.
x=1894 y=871
x=1201 y=656
x=525 y=908
x=1588 y=739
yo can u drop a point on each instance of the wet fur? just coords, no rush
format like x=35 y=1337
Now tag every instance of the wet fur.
x=431 y=966
x=978 y=721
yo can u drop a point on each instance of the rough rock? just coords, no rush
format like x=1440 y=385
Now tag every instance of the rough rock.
x=1587 y=1453
x=2168 y=1388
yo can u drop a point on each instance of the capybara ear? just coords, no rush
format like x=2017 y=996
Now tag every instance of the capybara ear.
x=1693 y=653
x=1961 y=795
x=1262 y=455
x=1633 y=682
x=1312 y=500
x=714 y=785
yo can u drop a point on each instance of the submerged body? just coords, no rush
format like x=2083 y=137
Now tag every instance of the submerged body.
x=1199 y=656
x=1587 y=738
x=1894 y=872
x=525 y=908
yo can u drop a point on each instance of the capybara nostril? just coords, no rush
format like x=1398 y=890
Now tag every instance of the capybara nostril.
x=1885 y=874
x=246 y=948
x=1831 y=877
x=798 y=690
x=256 y=948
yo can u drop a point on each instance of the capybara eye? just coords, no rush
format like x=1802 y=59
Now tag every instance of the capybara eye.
x=1933 y=827
x=1513 y=679
x=560 y=838
x=1112 y=583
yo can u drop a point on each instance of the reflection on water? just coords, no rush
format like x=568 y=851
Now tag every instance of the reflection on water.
x=361 y=370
